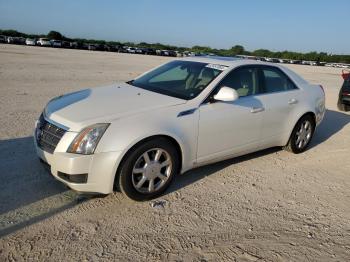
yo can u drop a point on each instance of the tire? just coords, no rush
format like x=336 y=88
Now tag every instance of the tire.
x=140 y=167
x=343 y=107
x=301 y=135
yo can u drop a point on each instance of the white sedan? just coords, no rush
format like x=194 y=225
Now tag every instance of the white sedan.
x=137 y=136
x=30 y=41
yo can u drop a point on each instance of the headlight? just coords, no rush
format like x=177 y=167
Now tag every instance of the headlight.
x=86 y=141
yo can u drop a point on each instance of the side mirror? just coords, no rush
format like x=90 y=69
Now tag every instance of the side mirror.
x=226 y=94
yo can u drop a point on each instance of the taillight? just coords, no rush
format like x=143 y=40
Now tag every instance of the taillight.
x=346 y=93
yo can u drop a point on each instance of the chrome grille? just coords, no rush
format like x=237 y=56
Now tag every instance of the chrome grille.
x=48 y=135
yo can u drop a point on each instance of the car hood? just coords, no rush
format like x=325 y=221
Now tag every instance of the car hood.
x=104 y=104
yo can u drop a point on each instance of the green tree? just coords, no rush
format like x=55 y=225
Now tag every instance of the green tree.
x=237 y=50
x=55 y=35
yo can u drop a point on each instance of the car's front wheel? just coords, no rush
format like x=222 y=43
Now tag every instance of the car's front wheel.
x=148 y=169
x=301 y=135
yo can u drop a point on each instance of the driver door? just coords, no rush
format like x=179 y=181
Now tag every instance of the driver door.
x=231 y=128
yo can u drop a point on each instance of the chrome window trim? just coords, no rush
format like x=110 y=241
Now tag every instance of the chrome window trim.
x=253 y=65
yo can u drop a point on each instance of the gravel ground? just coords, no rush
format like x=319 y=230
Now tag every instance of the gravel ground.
x=267 y=206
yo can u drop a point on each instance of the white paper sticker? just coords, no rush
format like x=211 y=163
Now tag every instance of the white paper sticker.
x=216 y=66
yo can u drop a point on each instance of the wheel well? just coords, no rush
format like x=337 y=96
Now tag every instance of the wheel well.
x=169 y=138
x=312 y=114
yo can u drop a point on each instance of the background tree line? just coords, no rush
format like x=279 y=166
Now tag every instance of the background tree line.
x=235 y=50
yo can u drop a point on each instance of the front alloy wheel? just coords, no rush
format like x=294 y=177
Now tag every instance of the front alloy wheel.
x=147 y=170
x=151 y=170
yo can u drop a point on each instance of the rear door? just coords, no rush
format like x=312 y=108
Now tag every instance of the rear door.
x=280 y=97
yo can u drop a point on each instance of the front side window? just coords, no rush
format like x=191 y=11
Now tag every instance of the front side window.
x=244 y=80
x=181 y=79
x=276 y=81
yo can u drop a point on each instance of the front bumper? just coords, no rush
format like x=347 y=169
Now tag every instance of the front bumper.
x=99 y=168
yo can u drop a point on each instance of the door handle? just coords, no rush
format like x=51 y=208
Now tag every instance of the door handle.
x=292 y=101
x=257 y=109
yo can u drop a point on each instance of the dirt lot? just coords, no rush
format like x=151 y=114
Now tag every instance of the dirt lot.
x=267 y=206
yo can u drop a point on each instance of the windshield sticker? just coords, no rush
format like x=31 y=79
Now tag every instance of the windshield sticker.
x=218 y=67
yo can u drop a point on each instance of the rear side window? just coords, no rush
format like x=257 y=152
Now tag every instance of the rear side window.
x=244 y=80
x=276 y=81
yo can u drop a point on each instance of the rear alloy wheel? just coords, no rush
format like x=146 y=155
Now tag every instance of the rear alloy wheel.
x=301 y=135
x=148 y=169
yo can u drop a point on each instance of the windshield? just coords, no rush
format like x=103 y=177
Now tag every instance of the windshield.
x=181 y=79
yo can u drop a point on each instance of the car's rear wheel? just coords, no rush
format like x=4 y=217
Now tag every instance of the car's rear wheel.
x=301 y=135
x=148 y=169
x=343 y=107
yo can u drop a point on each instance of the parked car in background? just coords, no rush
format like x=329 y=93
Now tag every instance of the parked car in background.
x=123 y=49
x=77 y=45
x=96 y=47
x=43 y=42
x=188 y=53
x=16 y=40
x=344 y=92
x=168 y=53
x=2 y=39
x=137 y=136
x=109 y=48
x=295 y=61
x=10 y=40
x=140 y=51
x=150 y=51
x=179 y=54
x=284 y=61
x=30 y=41
x=56 y=43
x=131 y=50
x=313 y=63
x=172 y=53
x=74 y=45
x=92 y=47
x=145 y=51
x=273 y=60
x=65 y=44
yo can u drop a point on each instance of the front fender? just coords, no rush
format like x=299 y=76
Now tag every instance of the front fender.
x=123 y=134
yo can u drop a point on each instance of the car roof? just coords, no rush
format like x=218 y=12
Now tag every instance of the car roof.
x=227 y=61
x=232 y=62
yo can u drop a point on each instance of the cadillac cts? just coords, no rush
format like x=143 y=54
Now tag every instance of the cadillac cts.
x=136 y=136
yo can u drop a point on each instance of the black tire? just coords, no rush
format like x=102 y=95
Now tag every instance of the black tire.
x=125 y=177
x=343 y=107
x=292 y=143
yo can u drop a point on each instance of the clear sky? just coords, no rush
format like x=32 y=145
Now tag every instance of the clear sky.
x=295 y=25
